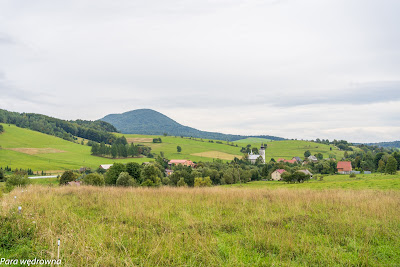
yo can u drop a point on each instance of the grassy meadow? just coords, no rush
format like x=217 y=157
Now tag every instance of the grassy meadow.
x=23 y=148
x=361 y=181
x=109 y=226
x=202 y=150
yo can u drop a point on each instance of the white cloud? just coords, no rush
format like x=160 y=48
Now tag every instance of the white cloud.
x=297 y=69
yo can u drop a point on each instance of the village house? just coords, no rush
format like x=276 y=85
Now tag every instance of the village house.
x=298 y=159
x=344 y=167
x=183 y=162
x=105 y=166
x=292 y=161
x=168 y=172
x=276 y=175
x=312 y=159
x=307 y=172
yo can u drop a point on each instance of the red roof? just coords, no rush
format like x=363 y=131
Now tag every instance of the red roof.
x=181 y=161
x=344 y=166
x=289 y=161
x=280 y=171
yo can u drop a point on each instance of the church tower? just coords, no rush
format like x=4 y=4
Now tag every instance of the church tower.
x=262 y=152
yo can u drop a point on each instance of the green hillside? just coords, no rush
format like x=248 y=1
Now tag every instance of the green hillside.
x=23 y=148
x=276 y=149
x=151 y=122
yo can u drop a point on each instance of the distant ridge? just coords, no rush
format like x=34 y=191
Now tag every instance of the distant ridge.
x=393 y=144
x=151 y=122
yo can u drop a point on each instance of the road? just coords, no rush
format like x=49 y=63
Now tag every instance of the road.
x=40 y=177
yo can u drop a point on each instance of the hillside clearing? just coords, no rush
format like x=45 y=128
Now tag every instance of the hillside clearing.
x=34 y=151
x=139 y=140
x=216 y=155
x=15 y=141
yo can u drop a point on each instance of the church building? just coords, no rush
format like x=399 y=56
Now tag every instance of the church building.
x=253 y=157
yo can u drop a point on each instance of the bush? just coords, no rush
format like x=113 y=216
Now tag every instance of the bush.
x=17 y=180
x=2 y=175
x=352 y=175
x=113 y=173
x=296 y=177
x=93 y=179
x=166 y=181
x=67 y=176
x=124 y=179
x=152 y=173
x=181 y=182
x=202 y=182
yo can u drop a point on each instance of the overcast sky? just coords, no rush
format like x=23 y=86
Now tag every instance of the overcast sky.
x=292 y=68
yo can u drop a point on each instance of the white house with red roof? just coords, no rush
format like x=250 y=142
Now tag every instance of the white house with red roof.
x=183 y=162
x=344 y=167
x=276 y=175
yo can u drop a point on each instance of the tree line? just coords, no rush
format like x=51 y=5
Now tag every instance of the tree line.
x=119 y=149
x=97 y=131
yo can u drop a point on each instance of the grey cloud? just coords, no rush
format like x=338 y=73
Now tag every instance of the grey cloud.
x=6 y=39
x=358 y=94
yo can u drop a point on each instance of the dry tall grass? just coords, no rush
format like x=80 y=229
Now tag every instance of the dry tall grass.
x=211 y=226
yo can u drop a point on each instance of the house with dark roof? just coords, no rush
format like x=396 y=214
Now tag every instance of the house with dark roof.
x=298 y=159
x=312 y=158
x=344 y=167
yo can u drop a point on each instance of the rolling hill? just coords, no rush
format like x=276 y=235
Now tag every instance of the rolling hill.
x=151 y=122
x=23 y=148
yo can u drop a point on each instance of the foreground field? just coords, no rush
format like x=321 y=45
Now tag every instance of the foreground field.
x=202 y=227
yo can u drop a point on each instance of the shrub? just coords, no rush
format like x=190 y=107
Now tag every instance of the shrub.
x=152 y=173
x=124 y=179
x=2 y=175
x=134 y=169
x=17 y=180
x=113 y=173
x=353 y=175
x=166 y=181
x=202 y=182
x=67 y=176
x=181 y=182
x=93 y=179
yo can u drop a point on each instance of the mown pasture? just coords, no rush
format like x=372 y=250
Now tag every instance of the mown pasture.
x=18 y=147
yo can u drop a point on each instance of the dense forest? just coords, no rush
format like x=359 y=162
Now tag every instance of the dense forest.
x=98 y=131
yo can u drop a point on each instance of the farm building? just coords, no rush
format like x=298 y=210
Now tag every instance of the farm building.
x=183 y=162
x=287 y=161
x=313 y=159
x=276 y=175
x=168 y=172
x=253 y=157
x=105 y=166
x=344 y=167
x=298 y=159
